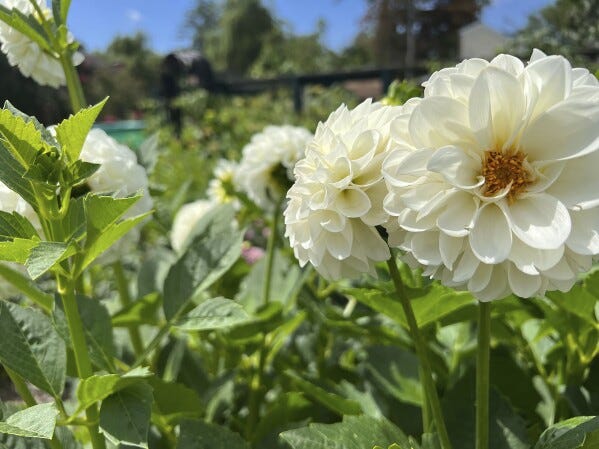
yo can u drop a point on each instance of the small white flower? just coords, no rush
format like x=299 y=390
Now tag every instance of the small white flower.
x=185 y=220
x=494 y=180
x=337 y=199
x=266 y=168
x=32 y=61
x=221 y=188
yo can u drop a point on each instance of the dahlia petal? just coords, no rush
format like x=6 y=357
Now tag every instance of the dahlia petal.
x=450 y=249
x=584 y=238
x=458 y=217
x=576 y=173
x=497 y=287
x=402 y=169
x=466 y=266
x=509 y=63
x=364 y=147
x=561 y=271
x=425 y=248
x=497 y=107
x=457 y=167
x=408 y=220
x=481 y=277
x=567 y=130
x=552 y=77
x=352 y=202
x=339 y=244
x=491 y=237
x=419 y=195
x=440 y=121
x=522 y=284
x=540 y=221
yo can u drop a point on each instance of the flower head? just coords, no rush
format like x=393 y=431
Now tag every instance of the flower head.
x=265 y=171
x=185 y=220
x=337 y=199
x=493 y=181
x=221 y=188
x=33 y=61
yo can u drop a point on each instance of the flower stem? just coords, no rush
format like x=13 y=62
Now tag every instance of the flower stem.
x=82 y=360
x=270 y=253
x=427 y=380
x=482 y=375
x=125 y=298
x=76 y=95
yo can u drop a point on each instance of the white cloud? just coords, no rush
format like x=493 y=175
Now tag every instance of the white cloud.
x=134 y=15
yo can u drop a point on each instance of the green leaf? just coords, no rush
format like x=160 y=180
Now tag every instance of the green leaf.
x=34 y=422
x=174 y=401
x=81 y=170
x=21 y=138
x=203 y=435
x=288 y=408
x=72 y=131
x=332 y=401
x=142 y=311
x=125 y=415
x=581 y=432
x=430 y=305
x=98 y=387
x=47 y=255
x=26 y=286
x=13 y=225
x=578 y=301
x=355 y=432
x=32 y=348
x=278 y=337
x=12 y=174
x=215 y=313
x=46 y=134
x=26 y=25
x=60 y=11
x=74 y=223
x=18 y=250
x=214 y=248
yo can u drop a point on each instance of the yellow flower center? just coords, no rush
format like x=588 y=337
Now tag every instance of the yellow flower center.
x=501 y=170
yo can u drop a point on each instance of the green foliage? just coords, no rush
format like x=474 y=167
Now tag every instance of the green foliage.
x=202 y=435
x=214 y=313
x=34 y=422
x=581 y=432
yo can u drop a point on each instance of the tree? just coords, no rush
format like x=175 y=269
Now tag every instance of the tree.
x=568 y=27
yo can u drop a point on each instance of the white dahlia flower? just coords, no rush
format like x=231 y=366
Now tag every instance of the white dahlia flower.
x=494 y=182
x=337 y=199
x=265 y=171
x=121 y=175
x=221 y=188
x=185 y=220
x=27 y=55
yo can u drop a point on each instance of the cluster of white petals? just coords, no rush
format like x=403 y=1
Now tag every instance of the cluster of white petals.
x=120 y=175
x=27 y=55
x=493 y=181
x=221 y=188
x=266 y=167
x=337 y=198
x=185 y=221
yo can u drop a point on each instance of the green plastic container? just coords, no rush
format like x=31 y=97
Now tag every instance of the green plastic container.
x=128 y=132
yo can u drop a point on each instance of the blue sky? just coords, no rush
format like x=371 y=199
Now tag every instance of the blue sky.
x=96 y=22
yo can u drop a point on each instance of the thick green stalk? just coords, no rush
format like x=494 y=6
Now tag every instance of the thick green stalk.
x=428 y=383
x=270 y=253
x=125 y=298
x=82 y=360
x=74 y=87
x=482 y=375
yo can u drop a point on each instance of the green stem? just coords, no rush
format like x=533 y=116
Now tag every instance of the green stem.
x=82 y=360
x=125 y=298
x=256 y=393
x=270 y=253
x=421 y=351
x=426 y=407
x=27 y=287
x=482 y=375
x=74 y=87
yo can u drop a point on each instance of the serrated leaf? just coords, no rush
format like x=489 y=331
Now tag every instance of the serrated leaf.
x=32 y=348
x=203 y=435
x=332 y=401
x=46 y=135
x=579 y=301
x=101 y=211
x=142 y=311
x=581 y=432
x=26 y=25
x=214 y=248
x=26 y=286
x=18 y=250
x=73 y=223
x=38 y=421
x=125 y=415
x=81 y=170
x=14 y=225
x=98 y=387
x=215 y=313
x=355 y=432
x=20 y=138
x=46 y=255
x=12 y=175
x=72 y=131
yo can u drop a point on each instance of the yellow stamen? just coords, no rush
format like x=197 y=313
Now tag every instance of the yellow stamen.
x=505 y=169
